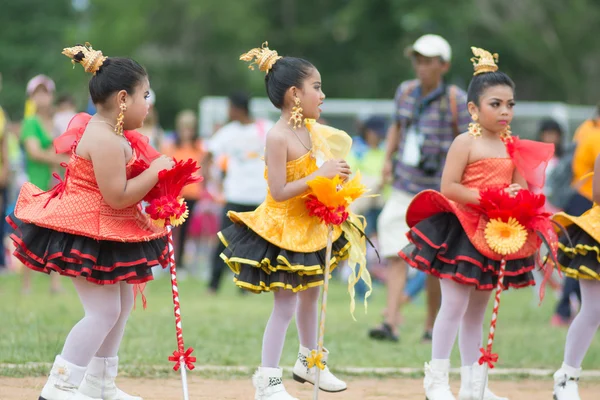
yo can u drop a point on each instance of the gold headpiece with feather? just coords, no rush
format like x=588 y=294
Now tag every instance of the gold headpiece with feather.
x=92 y=59
x=262 y=56
x=484 y=61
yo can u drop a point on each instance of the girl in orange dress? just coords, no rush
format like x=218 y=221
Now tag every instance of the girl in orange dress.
x=447 y=236
x=90 y=226
x=279 y=247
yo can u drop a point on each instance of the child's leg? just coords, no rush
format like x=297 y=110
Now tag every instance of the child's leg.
x=470 y=336
x=284 y=307
x=307 y=317
x=55 y=286
x=99 y=381
x=26 y=289
x=580 y=336
x=455 y=300
x=102 y=306
x=111 y=343
x=584 y=326
x=307 y=320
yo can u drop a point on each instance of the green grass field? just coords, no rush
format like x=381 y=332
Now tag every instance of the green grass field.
x=226 y=330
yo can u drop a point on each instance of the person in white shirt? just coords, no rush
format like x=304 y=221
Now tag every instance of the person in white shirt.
x=65 y=111
x=238 y=148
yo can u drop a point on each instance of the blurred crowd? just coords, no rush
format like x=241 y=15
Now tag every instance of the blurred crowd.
x=233 y=167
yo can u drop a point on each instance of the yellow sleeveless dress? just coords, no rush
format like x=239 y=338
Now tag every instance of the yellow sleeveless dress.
x=579 y=254
x=279 y=246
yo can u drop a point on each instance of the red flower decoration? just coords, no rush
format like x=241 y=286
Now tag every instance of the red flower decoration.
x=165 y=205
x=528 y=209
x=328 y=215
x=172 y=181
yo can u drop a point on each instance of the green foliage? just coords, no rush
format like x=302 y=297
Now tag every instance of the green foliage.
x=228 y=329
x=191 y=47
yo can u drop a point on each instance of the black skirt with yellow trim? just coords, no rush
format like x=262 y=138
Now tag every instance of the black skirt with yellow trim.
x=260 y=266
x=579 y=258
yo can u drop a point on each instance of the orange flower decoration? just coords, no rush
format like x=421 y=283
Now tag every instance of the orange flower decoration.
x=330 y=198
x=505 y=237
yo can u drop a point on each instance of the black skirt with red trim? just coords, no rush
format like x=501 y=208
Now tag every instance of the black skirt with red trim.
x=440 y=247
x=102 y=262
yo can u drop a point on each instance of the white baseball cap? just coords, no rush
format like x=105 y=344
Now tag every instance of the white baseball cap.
x=40 y=80
x=431 y=46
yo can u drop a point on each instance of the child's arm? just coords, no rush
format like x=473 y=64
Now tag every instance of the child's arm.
x=108 y=159
x=518 y=182
x=276 y=159
x=456 y=162
x=596 y=182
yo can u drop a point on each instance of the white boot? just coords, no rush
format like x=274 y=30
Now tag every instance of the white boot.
x=100 y=380
x=269 y=385
x=565 y=383
x=472 y=379
x=327 y=381
x=63 y=382
x=436 y=382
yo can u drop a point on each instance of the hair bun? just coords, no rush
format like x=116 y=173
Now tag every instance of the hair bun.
x=91 y=60
x=264 y=57
x=483 y=61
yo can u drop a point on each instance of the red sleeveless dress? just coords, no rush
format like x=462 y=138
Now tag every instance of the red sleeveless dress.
x=70 y=229
x=447 y=238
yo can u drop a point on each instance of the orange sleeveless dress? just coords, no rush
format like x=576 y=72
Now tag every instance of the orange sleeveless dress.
x=447 y=238
x=71 y=230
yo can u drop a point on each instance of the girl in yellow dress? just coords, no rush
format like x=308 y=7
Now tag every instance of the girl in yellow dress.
x=278 y=247
x=579 y=258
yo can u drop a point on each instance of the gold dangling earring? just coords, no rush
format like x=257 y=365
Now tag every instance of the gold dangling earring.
x=506 y=133
x=474 y=127
x=121 y=120
x=296 y=117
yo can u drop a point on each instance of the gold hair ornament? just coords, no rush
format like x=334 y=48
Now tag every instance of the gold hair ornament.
x=263 y=57
x=484 y=61
x=92 y=59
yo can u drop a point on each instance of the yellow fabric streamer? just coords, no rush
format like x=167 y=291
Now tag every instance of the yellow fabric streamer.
x=328 y=143
x=331 y=143
x=357 y=257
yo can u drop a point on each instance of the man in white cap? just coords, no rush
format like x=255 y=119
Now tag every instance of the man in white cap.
x=428 y=115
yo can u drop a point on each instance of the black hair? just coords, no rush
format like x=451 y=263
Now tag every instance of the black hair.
x=549 y=124
x=481 y=82
x=115 y=74
x=240 y=100
x=285 y=73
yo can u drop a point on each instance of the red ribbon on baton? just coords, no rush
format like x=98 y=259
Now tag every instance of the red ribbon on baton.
x=187 y=359
x=488 y=357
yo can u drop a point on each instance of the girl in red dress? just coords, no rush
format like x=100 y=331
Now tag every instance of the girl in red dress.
x=447 y=235
x=90 y=226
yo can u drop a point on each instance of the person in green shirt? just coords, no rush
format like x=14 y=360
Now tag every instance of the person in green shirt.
x=40 y=157
x=36 y=134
